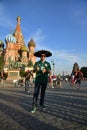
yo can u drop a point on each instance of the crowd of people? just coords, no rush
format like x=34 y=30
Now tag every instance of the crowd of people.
x=50 y=80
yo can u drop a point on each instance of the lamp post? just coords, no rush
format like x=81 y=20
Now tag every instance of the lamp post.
x=53 y=67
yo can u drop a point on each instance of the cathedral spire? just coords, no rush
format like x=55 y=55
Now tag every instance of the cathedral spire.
x=18 y=32
x=18 y=19
x=18 y=29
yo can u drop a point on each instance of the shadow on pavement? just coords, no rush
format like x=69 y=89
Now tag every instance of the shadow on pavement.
x=66 y=104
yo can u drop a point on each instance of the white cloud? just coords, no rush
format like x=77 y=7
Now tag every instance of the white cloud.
x=65 y=55
x=65 y=59
x=38 y=35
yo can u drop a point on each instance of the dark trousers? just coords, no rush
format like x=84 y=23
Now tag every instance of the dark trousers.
x=26 y=85
x=39 y=87
x=78 y=81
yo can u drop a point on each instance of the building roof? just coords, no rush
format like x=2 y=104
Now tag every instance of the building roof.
x=10 y=38
x=24 y=48
x=18 y=32
x=31 y=43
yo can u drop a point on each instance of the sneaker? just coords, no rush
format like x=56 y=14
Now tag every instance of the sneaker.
x=33 y=110
x=28 y=91
x=43 y=107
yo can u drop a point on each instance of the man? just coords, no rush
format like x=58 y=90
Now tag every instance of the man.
x=78 y=77
x=28 y=76
x=59 y=81
x=42 y=69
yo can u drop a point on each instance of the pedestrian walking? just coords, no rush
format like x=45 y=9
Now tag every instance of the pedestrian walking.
x=42 y=68
x=54 y=81
x=28 y=76
x=78 y=77
x=59 y=81
x=72 y=80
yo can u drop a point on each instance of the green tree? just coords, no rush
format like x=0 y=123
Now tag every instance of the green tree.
x=22 y=71
x=84 y=71
x=1 y=63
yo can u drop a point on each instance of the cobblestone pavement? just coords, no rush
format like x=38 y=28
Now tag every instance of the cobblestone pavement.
x=66 y=109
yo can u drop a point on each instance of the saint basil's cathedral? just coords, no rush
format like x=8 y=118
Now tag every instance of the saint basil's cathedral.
x=16 y=50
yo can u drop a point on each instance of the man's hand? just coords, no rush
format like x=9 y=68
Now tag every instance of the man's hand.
x=37 y=68
x=44 y=70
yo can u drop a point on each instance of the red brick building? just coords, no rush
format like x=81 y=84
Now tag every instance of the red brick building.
x=16 y=49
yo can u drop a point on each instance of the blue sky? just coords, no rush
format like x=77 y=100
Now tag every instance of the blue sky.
x=59 y=26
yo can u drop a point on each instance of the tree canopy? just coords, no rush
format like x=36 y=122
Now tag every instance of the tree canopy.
x=84 y=71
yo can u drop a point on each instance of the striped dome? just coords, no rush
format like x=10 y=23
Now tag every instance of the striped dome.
x=10 y=38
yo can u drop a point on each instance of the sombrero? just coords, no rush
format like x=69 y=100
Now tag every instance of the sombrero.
x=46 y=52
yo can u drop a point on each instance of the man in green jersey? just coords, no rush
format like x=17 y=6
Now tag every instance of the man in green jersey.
x=42 y=69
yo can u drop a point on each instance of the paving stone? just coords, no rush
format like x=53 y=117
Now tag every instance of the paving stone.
x=66 y=108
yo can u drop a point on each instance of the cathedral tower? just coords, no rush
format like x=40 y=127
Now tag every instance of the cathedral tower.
x=18 y=34
x=31 y=46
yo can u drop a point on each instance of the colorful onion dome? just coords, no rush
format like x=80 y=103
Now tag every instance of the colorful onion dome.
x=24 y=48
x=10 y=38
x=31 y=43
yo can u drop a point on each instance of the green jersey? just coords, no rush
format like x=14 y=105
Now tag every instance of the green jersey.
x=40 y=76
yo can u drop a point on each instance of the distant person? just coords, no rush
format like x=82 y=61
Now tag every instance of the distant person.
x=72 y=80
x=42 y=69
x=78 y=77
x=28 y=78
x=31 y=81
x=54 y=81
x=59 y=81
x=50 y=79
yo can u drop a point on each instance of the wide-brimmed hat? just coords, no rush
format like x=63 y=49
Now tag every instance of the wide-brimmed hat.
x=46 y=52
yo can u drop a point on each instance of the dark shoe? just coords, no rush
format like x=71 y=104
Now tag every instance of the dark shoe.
x=33 y=110
x=43 y=107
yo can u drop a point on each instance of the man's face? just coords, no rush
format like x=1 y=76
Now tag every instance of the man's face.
x=43 y=57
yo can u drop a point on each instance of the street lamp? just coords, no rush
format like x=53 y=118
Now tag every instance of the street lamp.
x=53 y=67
